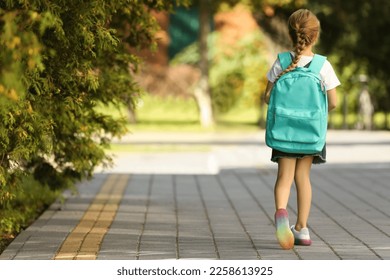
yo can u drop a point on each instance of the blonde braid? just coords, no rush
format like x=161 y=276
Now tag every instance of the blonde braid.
x=304 y=30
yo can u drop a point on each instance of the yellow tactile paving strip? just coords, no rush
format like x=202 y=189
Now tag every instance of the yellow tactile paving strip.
x=84 y=241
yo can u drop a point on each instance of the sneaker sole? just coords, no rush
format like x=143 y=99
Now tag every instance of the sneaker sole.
x=302 y=242
x=283 y=232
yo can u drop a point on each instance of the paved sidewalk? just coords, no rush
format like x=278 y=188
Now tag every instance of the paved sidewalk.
x=217 y=203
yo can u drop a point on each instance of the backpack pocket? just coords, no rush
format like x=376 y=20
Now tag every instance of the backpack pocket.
x=290 y=125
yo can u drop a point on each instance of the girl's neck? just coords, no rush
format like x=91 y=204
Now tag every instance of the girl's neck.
x=308 y=51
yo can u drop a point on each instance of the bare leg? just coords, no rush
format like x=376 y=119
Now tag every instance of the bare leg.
x=304 y=192
x=286 y=171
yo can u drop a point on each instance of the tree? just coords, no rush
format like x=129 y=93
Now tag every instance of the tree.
x=59 y=60
x=204 y=96
x=202 y=91
x=358 y=33
x=355 y=34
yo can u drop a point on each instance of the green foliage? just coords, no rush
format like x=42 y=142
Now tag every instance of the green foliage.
x=356 y=31
x=58 y=59
x=237 y=72
x=28 y=202
x=259 y=4
x=354 y=36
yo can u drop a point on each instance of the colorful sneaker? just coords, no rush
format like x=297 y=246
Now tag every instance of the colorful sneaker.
x=301 y=237
x=283 y=231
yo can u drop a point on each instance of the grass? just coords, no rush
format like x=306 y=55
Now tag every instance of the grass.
x=179 y=114
x=28 y=203
x=150 y=148
x=171 y=114
x=336 y=120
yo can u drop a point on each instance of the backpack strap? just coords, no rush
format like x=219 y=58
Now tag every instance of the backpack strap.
x=316 y=63
x=284 y=59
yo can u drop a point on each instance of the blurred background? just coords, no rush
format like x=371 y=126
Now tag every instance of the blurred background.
x=243 y=39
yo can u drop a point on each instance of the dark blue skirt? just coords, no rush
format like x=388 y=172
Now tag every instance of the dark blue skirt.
x=317 y=158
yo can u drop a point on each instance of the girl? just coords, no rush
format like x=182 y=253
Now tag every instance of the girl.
x=304 y=30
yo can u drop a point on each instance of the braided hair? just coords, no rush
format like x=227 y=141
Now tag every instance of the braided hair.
x=304 y=29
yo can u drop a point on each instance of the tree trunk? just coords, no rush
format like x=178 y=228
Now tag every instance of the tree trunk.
x=202 y=91
x=131 y=114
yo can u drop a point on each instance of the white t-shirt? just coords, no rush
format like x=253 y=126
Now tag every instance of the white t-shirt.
x=327 y=73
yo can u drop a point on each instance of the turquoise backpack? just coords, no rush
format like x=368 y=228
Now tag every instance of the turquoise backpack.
x=297 y=115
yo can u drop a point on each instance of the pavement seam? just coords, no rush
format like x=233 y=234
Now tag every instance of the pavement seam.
x=207 y=216
x=138 y=248
x=175 y=202
x=358 y=184
x=353 y=212
x=369 y=204
x=221 y=185
x=84 y=241
x=381 y=184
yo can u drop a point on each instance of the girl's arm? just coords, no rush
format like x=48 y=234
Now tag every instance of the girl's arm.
x=332 y=99
x=267 y=93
